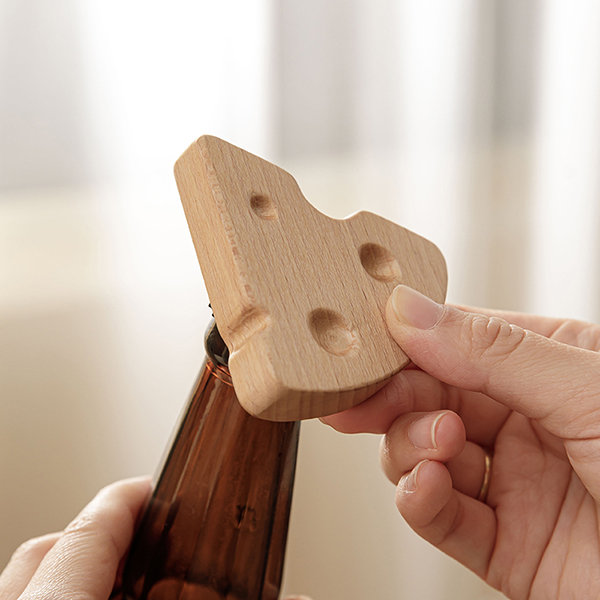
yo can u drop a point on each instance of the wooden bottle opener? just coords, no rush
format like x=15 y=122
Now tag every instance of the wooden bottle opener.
x=298 y=297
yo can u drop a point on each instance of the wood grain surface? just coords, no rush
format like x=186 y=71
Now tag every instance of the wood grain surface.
x=298 y=297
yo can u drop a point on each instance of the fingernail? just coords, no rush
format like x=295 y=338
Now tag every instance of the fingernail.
x=408 y=482
x=415 y=309
x=423 y=431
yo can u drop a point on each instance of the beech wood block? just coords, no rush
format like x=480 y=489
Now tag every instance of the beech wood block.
x=298 y=297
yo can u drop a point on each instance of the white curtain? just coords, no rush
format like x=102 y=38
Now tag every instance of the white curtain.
x=473 y=123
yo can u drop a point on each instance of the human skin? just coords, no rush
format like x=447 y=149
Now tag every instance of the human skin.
x=527 y=390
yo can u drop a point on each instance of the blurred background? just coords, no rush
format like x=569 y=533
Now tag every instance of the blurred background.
x=475 y=124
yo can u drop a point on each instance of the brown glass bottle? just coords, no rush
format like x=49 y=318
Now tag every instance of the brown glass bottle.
x=216 y=524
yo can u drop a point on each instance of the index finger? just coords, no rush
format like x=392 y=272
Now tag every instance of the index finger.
x=84 y=561
x=409 y=391
x=417 y=391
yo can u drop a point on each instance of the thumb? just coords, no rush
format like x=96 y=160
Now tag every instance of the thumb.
x=541 y=378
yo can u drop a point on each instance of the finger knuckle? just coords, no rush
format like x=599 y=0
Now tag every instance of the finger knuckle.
x=31 y=548
x=589 y=337
x=492 y=338
x=84 y=524
x=87 y=529
x=578 y=333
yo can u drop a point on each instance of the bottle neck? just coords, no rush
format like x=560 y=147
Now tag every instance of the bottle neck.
x=217 y=354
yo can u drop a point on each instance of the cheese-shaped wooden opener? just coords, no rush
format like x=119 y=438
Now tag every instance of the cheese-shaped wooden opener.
x=298 y=297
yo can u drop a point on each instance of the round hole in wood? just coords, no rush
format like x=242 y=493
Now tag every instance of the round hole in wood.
x=332 y=332
x=263 y=207
x=379 y=262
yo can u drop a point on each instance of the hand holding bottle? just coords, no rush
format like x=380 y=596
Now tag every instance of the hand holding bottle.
x=85 y=559
x=523 y=389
